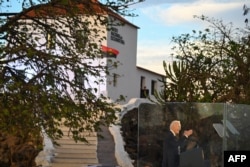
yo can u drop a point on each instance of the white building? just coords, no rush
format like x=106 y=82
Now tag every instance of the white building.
x=127 y=79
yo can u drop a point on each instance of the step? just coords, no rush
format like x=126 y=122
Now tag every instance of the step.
x=71 y=151
x=71 y=138
x=71 y=141
x=73 y=165
x=67 y=133
x=67 y=128
x=77 y=146
x=75 y=160
x=82 y=134
x=75 y=155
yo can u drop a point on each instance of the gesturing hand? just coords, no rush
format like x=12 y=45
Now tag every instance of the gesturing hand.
x=187 y=133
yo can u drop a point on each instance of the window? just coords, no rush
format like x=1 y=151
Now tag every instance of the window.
x=143 y=80
x=51 y=40
x=144 y=91
x=115 y=76
x=153 y=87
x=79 y=78
x=81 y=39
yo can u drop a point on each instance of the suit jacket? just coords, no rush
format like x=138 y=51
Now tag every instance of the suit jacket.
x=171 y=149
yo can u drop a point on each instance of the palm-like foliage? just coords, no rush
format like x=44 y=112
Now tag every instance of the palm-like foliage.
x=211 y=65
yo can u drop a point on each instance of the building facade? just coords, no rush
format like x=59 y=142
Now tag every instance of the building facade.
x=120 y=46
x=128 y=79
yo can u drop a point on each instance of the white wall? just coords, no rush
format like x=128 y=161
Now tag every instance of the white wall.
x=129 y=80
x=150 y=76
x=126 y=82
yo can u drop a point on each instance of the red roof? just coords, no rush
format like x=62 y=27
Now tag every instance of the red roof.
x=72 y=7
x=66 y=7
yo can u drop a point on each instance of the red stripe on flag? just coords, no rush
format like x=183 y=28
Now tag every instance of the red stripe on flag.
x=110 y=50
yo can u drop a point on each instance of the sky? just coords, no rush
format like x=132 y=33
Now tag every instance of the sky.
x=160 y=20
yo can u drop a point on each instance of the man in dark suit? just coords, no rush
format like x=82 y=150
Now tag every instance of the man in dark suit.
x=172 y=144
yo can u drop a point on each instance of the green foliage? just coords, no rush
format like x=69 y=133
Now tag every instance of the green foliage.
x=211 y=65
x=39 y=57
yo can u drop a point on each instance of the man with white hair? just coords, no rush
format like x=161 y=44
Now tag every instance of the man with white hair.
x=172 y=144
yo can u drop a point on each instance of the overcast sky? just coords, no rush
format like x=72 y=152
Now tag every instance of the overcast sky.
x=160 y=20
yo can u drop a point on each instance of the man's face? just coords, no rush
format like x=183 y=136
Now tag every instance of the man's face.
x=177 y=128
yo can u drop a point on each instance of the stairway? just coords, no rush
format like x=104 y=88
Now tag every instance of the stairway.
x=72 y=154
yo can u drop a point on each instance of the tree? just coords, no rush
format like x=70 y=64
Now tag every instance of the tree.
x=211 y=65
x=48 y=54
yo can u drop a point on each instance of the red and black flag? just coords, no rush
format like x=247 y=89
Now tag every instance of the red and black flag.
x=109 y=52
